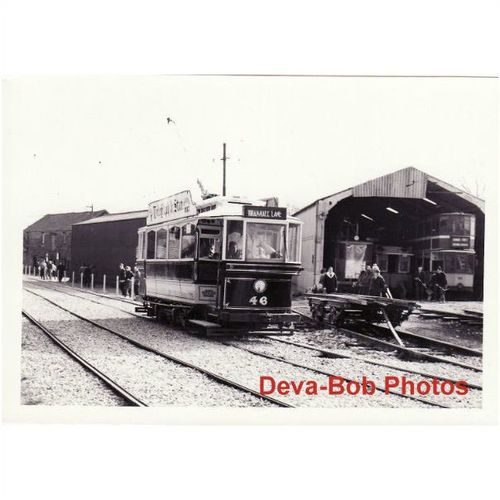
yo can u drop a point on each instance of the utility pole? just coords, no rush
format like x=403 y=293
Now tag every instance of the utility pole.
x=224 y=158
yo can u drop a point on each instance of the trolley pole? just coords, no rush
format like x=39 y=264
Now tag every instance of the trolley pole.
x=224 y=158
x=103 y=283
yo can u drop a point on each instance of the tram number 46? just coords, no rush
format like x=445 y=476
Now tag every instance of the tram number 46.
x=255 y=300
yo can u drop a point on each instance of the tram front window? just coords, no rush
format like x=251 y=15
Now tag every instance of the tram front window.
x=460 y=263
x=234 y=240
x=265 y=241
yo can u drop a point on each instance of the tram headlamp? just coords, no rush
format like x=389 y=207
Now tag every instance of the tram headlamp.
x=259 y=286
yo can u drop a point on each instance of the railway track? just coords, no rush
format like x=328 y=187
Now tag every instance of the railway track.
x=128 y=397
x=324 y=352
x=212 y=375
x=403 y=351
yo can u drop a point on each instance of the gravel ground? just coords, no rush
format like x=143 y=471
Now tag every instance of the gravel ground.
x=355 y=370
x=51 y=377
x=148 y=376
x=340 y=343
x=228 y=361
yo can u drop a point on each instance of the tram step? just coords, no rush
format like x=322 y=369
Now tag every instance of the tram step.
x=474 y=313
x=204 y=324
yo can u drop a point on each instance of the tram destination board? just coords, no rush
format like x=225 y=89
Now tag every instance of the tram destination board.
x=270 y=213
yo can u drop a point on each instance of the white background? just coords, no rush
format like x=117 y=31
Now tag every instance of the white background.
x=147 y=37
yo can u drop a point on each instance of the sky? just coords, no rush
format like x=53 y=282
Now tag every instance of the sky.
x=72 y=142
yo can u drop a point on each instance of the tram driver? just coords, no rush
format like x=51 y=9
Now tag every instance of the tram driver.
x=210 y=248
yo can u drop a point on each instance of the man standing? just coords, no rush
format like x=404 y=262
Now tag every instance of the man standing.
x=364 y=280
x=439 y=284
x=128 y=282
x=378 y=288
x=122 y=278
x=420 y=285
x=60 y=271
x=137 y=277
x=329 y=281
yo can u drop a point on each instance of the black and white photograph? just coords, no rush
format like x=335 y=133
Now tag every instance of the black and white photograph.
x=250 y=249
x=252 y=242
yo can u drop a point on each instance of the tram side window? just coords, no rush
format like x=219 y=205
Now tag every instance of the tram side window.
x=188 y=241
x=140 y=246
x=151 y=245
x=210 y=247
x=404 y=264
x=161 y=244
x=265 y=241
x=234 y=249
x=293 y=243
x=174 y=235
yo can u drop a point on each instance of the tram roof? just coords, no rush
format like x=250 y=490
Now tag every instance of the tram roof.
x=223 y=206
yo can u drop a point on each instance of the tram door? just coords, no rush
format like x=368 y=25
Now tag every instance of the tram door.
x=209 y=250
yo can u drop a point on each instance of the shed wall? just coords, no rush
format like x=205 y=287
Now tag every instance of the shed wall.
x=105 y=245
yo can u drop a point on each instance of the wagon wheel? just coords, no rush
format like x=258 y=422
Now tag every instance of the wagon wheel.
x=336 y=317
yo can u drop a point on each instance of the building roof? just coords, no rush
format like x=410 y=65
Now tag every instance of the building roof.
x=63 y=222
x=138 y=214
x=388 y=185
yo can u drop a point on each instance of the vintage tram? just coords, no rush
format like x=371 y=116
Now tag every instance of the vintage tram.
x=447 y=240
x=221 y=266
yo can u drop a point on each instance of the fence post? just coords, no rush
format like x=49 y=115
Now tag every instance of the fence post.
x=29 y=270
x=92 y=281
x=81 y=280
x=132 y=293
x=117 y=286
x=103 y=283
x=64 y=273
x=73 y=279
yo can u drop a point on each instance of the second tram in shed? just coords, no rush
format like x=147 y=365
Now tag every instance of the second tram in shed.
x=222 y=266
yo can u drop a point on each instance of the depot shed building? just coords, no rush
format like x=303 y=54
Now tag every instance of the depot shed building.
x=400 y=221
x=105 y=242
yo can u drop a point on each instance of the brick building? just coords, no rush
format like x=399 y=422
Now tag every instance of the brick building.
x=50 y=237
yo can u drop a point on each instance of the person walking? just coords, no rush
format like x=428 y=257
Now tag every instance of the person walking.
x=378 y=288
x=329 y=281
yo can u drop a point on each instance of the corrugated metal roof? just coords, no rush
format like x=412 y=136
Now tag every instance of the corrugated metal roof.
x=405 y=183
x=397 y=183
x=138 y=214
x=63 y=222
